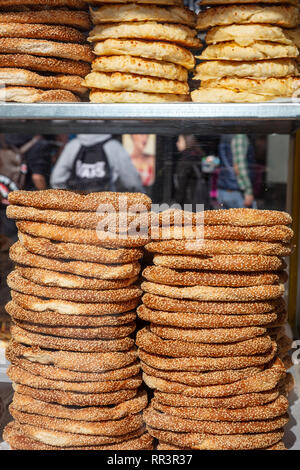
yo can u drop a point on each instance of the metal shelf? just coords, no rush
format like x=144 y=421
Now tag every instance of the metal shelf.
x=165 y=119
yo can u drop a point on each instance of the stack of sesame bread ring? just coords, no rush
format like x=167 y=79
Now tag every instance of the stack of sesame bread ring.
x=44 y=52
x=251 y=52
x=74 y=295
x=142 y=51
x=214 y=350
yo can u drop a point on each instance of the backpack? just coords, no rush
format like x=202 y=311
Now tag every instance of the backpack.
x=13 y=168
x=91 y=171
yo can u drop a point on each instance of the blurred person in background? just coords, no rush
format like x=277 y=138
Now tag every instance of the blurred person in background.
x=143 y=161
x=93 y=162
x=190 y=181
x=235 y=188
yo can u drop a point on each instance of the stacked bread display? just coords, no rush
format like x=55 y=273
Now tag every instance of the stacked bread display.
x=215 y=348
x=74 y=294
x=43 y=50
x=251 y=52
x=142 y=51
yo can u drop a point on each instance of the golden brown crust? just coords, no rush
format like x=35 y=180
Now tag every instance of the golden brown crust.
x=221 y=442
x=152 y=343
x=259 y=50
x=45 y=64
x=41 y=31
x=76 y=4
x=76 y=399
x=68 y=200
x=20 y=284
x=166 y=422
x=216 y=308
x=222 y=294
x=105 y=96
x=56 y=279
x=35 y=95
x=80 y=362
x=76 y=19
x=246 y=263
x=205 y=363
x=55 y=319
x=22 y=77
x=175 y=277
x=18 y=440
x=46 y=48
x=69 y=344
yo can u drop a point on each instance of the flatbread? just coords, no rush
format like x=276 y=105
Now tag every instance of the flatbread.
x=133 y=12
x=270 y=86
x=140 y=66
x=147 y=30
x=46 y=48
x=225 y=2
x=105 y=96
x=75 y=19
x=224 y=95
x=259 y=50
x=22 y=77
x=130 y=82
x=247 y=34
x=41 y=31
x=216 y=69
x=286 y=16
x=147 y=2
x=35 y=95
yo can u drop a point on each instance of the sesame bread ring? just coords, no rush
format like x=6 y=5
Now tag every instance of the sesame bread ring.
x=59 y=199
x=120 y=222
x=271 y=410
x=233 y=402
x=20 y=284
x=218 y=442
x=132 y=12
x=72 y=308
x=56 y=319
x=83 y=236
x=41 y=31
x=196 y=364
x=236 y=217
x=76 y=4
x=207 y=293
x=196 y=320
x=166 y=446
x=202 y=378
x=285 y=16
x=273 y=233
x=69 y=251
x=45 y=64
x=23 y=377
x=175 y=348
x=75 y=19
x=221 y=262
x=35 y=95
x=76 y=399
x=57 y=279
x=55 y=373
x=263 y=381
x=208 y=335
x=80 y=362
x=22 y=77
x=103 y=428
x=173 y=423
x=68 y=344
x=193 y=306
x=18 y=440
x=46 y=48
x=218 y=247
x=104 y=332
x=173 y=277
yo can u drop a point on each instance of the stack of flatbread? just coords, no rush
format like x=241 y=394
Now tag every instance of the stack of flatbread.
x=215 y=348
x=142 y=51
x=74 y=294
x=251 y=51
x=43 y=50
